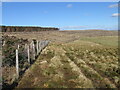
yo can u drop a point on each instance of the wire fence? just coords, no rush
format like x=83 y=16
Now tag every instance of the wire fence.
x=26 y=54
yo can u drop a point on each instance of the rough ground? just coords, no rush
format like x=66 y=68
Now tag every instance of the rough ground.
x=62 y=36
x=73 y=59
x=81 y=63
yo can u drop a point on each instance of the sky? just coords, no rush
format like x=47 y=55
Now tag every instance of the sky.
x=64 y=15
x=60 y=0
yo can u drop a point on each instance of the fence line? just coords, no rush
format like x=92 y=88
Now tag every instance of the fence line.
x=34 y=49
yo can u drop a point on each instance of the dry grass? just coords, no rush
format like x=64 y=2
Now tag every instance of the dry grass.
x=62 y=36
x=74 y=59
x=77 y=64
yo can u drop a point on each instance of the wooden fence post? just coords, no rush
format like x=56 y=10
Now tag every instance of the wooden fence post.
x=25 y=46
x=18 y=46
x=33 y=51
x=37 y=47
x=42 y=45
x=28 y=51
x=31 y=44
x=3 y=43
x=17 y=64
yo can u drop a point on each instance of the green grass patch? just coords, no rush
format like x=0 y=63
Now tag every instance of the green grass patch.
x=104 y=40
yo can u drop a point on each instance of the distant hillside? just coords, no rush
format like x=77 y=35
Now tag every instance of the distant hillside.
x=26 y=29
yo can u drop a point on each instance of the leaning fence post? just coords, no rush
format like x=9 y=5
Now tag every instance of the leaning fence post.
x=28 y=54
x=17 y=64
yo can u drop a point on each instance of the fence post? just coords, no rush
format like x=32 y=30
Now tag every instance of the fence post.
x=17 y=64
x=3 y=43
x=33 y=51
x=28 y=50
x=41 y=45
x=31 y=44
x=37 y=47
x=25 y=46
x=18 y=46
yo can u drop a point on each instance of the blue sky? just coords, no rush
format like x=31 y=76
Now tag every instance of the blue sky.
x=65 y=15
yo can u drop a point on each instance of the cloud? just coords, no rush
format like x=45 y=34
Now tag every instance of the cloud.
x=114 y=5
x=108 y=27
x=69 y=5
x=73 y=27
x=115 y=14
x=90 y=27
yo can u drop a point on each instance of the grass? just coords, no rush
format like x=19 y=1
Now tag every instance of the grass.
x=80 y=59
x=81 y=63
x=90 y=72
x=104 y=40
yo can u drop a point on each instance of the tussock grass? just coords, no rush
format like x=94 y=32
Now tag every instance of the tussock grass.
x=84 y=63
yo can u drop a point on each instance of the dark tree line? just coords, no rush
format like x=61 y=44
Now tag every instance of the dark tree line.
x=26 y=29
